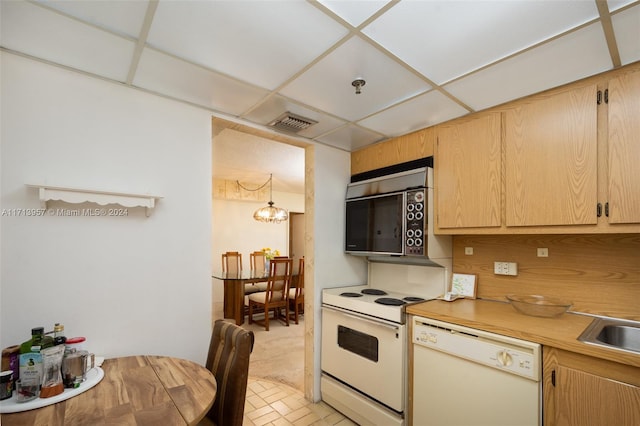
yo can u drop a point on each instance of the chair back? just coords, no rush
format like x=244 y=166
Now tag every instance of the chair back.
x=300 y=283
x=228 y=360
x=257 y=260
x=232 y=262
x=279 y=279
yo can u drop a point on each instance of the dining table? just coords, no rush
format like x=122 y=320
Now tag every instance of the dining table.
x=135 y=390
x=234 y=291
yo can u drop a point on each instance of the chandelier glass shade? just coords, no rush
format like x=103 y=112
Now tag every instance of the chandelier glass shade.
x=270 y=213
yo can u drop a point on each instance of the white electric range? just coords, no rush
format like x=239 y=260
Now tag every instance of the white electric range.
x=364 y=341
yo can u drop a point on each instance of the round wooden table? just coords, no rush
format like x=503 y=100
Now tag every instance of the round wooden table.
x=135 y=390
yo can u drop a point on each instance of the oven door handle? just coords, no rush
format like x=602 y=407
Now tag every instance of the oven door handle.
x=361 y=317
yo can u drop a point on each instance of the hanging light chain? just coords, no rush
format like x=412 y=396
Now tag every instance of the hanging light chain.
x=258 y=188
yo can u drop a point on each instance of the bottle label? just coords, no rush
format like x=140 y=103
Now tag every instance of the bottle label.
x=36 y=348
x=31 y=367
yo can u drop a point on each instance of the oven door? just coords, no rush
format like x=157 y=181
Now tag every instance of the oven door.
x=367 y=354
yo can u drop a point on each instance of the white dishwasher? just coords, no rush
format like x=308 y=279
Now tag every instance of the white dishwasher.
x=463 y=376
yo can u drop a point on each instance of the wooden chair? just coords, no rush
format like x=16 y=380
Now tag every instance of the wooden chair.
x=232 y=262
x=228 y=360
x=257 y=259
x=296 y=294
x=275 y=297
x=257 y=262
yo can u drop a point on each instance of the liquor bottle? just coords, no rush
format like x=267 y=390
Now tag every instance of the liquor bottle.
x=58 y=334
x=37 y=342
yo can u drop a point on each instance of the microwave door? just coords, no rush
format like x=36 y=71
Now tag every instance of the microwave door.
x=357 y=226
x=387 y=225
x=375 y=225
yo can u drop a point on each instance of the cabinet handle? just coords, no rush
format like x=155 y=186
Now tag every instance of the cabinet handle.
x=606 y=209
x=599 y=96
x=553 y=378
x=599 y=210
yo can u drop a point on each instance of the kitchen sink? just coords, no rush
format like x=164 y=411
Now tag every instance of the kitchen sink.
x=613 y=333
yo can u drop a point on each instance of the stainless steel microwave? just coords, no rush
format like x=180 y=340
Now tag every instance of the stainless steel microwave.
x=391 y=224
x=388 y=215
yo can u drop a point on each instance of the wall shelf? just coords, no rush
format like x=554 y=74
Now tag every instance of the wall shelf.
x=82 y=195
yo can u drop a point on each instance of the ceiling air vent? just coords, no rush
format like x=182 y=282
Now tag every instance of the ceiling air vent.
x=292 y=123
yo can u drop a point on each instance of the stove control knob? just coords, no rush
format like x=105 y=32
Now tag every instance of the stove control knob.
x=504 y=358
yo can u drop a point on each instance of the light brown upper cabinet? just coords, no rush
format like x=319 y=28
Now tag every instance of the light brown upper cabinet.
x=558 y=148
x=401 y=149
x=468 y=170
x=622 y=204
x=551 y=160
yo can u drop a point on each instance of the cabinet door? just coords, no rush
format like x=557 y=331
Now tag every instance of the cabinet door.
x=468 y=173
x=551 y=160
x=624 y=149
x=588 y=399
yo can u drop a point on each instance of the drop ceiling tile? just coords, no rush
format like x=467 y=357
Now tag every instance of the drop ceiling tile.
x=617 y=4
x=125 y=17
x=327 y=85
x=278 y=105
x=574 y=56
x=36 y=31
x=423 y=111
x=444 y=40
x=354 y=12
x=173 y=77
x=261 y=42
x=626 y=26
x=351 y=138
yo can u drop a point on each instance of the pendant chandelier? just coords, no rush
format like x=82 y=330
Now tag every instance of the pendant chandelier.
x=270 y=213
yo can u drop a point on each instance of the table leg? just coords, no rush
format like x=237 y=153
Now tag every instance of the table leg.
x=239 y=302
x=234 y=300
x=229 y=305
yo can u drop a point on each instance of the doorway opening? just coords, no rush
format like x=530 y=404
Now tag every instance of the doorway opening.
x=233 y=229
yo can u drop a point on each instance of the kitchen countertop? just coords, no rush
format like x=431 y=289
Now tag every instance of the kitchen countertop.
x=501 y=318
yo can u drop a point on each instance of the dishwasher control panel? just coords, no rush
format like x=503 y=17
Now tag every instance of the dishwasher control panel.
x=502 y=352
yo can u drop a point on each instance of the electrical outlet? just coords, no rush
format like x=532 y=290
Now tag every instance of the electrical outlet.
x=468 y=251
x=505 y=268
x=543 y=252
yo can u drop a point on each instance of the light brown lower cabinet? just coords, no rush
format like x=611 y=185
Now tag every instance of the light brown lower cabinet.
x=586 y=391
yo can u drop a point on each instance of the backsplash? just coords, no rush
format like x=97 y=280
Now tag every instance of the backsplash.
x=600 y=274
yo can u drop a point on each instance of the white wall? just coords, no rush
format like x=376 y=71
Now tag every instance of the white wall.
x=332 y=267
x=131 y=285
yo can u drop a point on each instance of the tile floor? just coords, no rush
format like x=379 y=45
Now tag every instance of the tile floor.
x=277 y=404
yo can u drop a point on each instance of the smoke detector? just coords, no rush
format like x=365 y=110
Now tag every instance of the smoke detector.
x=290 y=122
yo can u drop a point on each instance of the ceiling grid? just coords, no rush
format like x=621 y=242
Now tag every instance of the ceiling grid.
x=424 y=62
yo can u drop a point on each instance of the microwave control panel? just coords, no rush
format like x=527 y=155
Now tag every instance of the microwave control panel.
x=415 y=223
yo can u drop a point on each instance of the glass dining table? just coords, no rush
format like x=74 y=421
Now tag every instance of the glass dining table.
x=234 y=291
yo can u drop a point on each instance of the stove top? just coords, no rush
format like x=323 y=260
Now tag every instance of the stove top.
x=384 y=304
